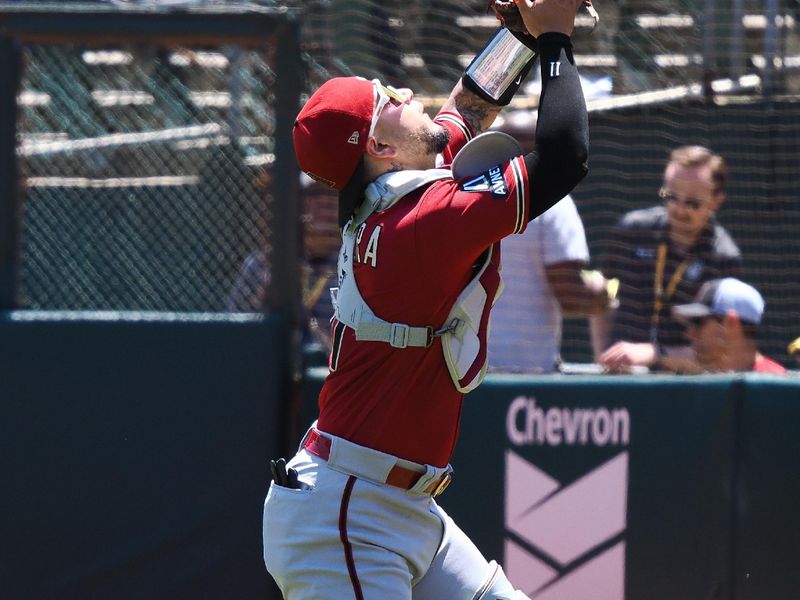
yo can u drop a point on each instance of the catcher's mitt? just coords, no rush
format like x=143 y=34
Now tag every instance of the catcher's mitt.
x=509 y=16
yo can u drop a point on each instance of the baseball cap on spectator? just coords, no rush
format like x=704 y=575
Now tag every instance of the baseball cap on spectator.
x=331 y=133
x=718 y=296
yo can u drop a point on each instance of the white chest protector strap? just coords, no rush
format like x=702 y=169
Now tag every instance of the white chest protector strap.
x=349 y=306
x=465 y=333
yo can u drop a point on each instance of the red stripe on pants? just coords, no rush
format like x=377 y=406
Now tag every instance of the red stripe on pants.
x=348 y=549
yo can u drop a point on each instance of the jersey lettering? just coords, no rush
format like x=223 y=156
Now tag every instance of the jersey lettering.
x=555 y=69
x=356 y=253
x=371 y=254
x=499 y=188
x=493 y=180
x=337 y=335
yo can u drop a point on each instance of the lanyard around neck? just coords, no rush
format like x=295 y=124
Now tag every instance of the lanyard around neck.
x=660 y=295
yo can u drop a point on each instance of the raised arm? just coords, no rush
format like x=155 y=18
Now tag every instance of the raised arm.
x=560 y=158
x=477 y=112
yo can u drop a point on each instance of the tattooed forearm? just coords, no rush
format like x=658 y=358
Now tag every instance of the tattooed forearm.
x=478 y=113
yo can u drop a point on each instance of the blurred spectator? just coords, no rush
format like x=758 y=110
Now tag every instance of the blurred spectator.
x=544 y=277
x=321 y=239
x=661 y=256
x=250 y=290
x=722 y=324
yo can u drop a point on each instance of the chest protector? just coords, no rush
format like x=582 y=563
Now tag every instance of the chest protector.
x=465 y=330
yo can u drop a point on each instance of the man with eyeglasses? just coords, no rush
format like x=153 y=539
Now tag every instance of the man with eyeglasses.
x=353 y=513
x=722 y=323
x=661 y=256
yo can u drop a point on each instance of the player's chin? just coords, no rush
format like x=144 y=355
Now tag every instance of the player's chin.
x=440 y=137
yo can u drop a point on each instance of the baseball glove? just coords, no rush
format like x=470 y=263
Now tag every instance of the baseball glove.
x=509 y=16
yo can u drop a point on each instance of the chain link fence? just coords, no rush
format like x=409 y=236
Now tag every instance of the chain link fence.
x=147 y=173
x=639 y=46
x=149 y=168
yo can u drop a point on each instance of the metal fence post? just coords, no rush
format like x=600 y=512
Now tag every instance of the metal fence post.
x=10 y=69
x=286 y=296
x=286 y=212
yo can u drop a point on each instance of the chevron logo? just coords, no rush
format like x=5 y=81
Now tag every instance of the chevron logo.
x=566 y=541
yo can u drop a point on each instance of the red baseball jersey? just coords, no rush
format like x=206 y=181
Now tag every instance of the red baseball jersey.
x=411 y=261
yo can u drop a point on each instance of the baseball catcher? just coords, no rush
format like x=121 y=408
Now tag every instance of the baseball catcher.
x=423 y=205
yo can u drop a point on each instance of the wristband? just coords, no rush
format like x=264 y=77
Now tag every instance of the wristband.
x=526 y=38
x=497 y=71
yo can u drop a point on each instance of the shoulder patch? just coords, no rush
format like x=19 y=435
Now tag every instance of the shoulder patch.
x=492 y=180
x=475 y=184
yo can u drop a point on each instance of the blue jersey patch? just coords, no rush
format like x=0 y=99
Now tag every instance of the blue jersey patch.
x=492 y=180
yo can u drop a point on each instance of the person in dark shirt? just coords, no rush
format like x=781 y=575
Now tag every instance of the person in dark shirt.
x=722 y=324
x=250 y=291
x=661 y=256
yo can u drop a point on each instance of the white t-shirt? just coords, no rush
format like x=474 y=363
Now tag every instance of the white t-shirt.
x=525 y=330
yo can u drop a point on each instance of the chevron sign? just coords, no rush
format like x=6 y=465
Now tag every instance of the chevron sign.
x=566 y=541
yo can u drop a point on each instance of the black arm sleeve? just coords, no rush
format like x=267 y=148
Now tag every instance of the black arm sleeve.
x=560 y=158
